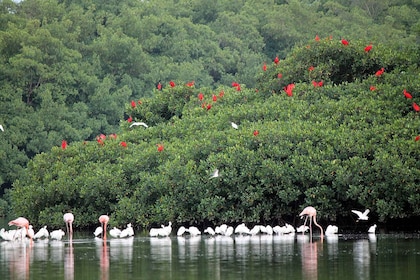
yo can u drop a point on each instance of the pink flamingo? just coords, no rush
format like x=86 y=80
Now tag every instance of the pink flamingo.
x=311 y=213
x=69 y=219
x=21 y=222
x=104 y=219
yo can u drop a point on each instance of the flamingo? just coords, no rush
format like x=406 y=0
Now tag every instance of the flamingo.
x=361 y=216
x=69 y=219
x=311 y=213
x=21 y=222
x=104 y=219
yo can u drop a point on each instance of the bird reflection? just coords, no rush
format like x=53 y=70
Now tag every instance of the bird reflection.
x=18 y=256
x=310 y=260
x=69 y=262
x=361 y=258
x=104 y=261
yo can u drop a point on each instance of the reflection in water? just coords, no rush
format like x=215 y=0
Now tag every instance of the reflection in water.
x=309 y=255
x=18 y=256
x=161 y=248
x=104 y=261
x=69 y=262
x=361 y=257
x=121 y=249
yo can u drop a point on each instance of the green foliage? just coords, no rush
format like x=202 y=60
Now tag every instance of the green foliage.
x=69 y=69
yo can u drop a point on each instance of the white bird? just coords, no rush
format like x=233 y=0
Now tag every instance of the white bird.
x=138 y=124
x=234 y=125
x=193 y=231
x=115 y=232
x=127 y=232
x=57 y=234
x=98 y=231
x=215 y=174
x=229 y=231
x=210 y=231
x=221 y=229
x=242 y=229
x=330 y=230
x=255 y=230
x=154 y=232
x=181 y=231
x=7 y=234
x=362 y=216
x=372 y=229
x=165 y=230
x=31 y=231
x=302 y=228
x=42 y=233
x=1 y=128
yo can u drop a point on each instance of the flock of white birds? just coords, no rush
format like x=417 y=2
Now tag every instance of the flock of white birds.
x=164 y=231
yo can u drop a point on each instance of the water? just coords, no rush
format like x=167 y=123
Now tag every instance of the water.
x=366 y=256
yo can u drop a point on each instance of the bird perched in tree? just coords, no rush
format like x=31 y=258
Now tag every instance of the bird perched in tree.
x=234 y=125
x=215 y=174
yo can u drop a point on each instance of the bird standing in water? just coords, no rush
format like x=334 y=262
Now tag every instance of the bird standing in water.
x=311 y=213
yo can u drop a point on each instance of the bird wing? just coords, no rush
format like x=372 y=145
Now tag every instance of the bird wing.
x=358 y=213
x=366 y=212
x=139 y=123
x=1 y=128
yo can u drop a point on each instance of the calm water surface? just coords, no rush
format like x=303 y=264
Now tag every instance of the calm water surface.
x=257 y=257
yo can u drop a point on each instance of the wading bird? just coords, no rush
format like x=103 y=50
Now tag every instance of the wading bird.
x=104 y=219
x=138 y=124
x=69 y=219
x=21 y=222
x=311 y=213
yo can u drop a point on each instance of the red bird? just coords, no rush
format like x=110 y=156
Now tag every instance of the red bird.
x=416 y=107
x=124 y=144
x=276 y=60
x=200 y=96
x=372 y=88
x=417 y=138
x=214 y=98
x=256 y=132
x=63 y=144
x=279 y=75
x=190 y=84
x=311 y=68
x=317 y=38
x=159 y=147
x=288 y=89
x=172 y=84
x=264 y=67
x=368 y=48
x=133 y=104
x=208 y=107
x=407 y=94
x=380 y=72
x=159 y=86
x=130 y=119
x=318 y=84
x=221 y=93
x=344 y=42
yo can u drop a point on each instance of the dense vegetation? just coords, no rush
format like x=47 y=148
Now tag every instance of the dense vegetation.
x=70 y=69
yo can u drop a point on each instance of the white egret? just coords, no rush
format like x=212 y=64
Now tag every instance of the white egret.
x=372 y=229
x=181 y=231
x=193 y=231
x=234 y=125
x=330 y=230
x=138 y=124
x=42 y=233
x=215 y=174
x=57 y=234
x=210 y=231
x=362 y=216
x=115 y=232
